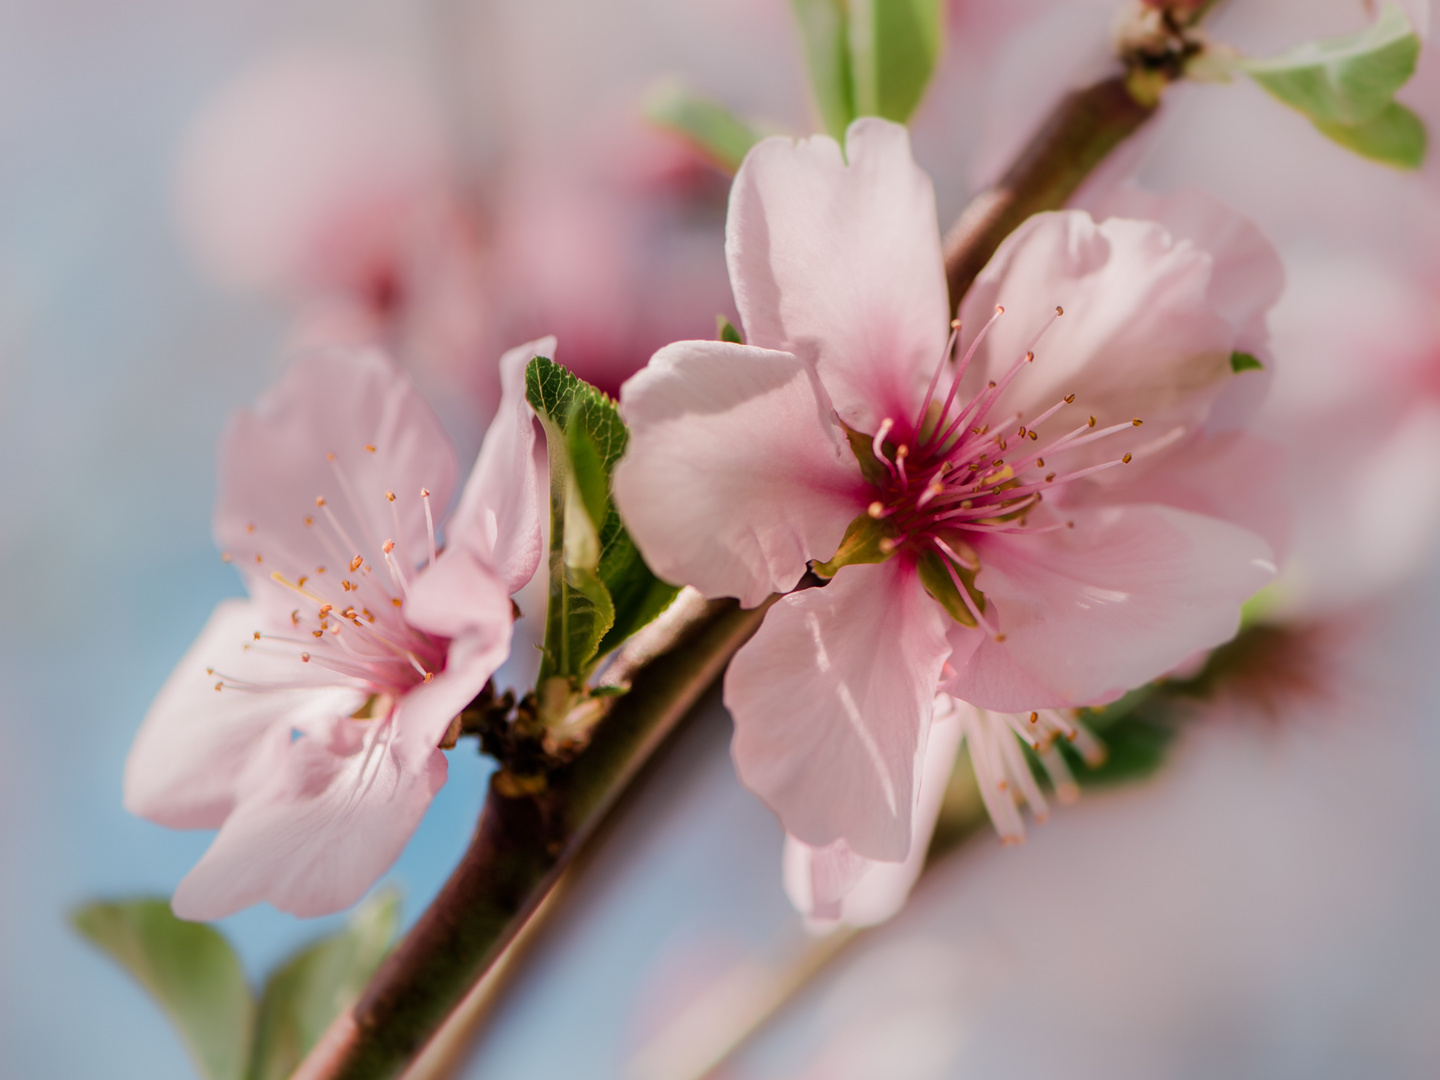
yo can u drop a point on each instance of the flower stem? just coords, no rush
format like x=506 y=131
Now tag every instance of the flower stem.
x=1086 y=126
x=526 y=838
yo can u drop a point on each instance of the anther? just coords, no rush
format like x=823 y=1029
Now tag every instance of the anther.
x=257 y=635
x=1092 y=422
x=1034 y=436
x=329 y=457
x=1069 y=399
x=1137 y=421
x=257 y=557
x=388 y=546
x=876 y=509
x=954 y=324
x=1059 y=310
x=217 y=687
x=390 y=495
x=355 y=563
x=1039 y=462
x=309 y=520
x=325 y=609
x=1029 y=357
x=1049 y=477
x=396 y=601
x=304 y=657
x=249 y=528
x=1034 y=718
x=370 y=448
x=1126 y=459
x=319 y=500
x=295 y=617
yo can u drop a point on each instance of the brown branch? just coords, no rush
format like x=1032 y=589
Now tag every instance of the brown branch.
x=523 y=841
x=526 y=838
x=1078 y=135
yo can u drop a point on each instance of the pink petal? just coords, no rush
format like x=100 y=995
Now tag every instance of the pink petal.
x=840 y=264
x=464 y=599
x=1247 y=278
x=319 y=820
x=736 y=472
x=832 y=700
x=183 y=767
x=833 y=884
x=1140 y=336
x=273 y=465
x=499 y=511
x=1121 y=599
x=1235 y=477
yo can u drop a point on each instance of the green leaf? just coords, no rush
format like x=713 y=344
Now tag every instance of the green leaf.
x=707 y=125
x=189 y=969
x=825 y=33
x=874 y=470
x=601 y=591
x=894 y=46
x=1345 y=80
x=1135 y=748
x=1394 y=136
x=725 y=331
x=1243 y=361
x=308 y=991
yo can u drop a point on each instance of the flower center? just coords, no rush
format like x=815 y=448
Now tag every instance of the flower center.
x=961 y=471
x=349 y=613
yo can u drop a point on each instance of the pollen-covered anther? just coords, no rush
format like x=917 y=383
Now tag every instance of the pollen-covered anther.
x=388 y=546
x=1090 y=422
x=355 y=563
x=1126 y=459
x=304 y=657
x=319 y=500
x=325 y=609
x=1137 y=421
x=1059 y=310
x=390 y=495
x=876 y=510
x=369 y=448
x=257 y=635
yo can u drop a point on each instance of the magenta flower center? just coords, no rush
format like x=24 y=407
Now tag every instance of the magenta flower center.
x=349 y=613
x=959 y=470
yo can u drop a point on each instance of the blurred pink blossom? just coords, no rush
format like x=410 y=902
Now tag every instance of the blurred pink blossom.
x=1071 y=600
x=304 y=722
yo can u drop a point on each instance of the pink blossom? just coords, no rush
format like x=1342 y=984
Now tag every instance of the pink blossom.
x=1065 y=568
x=304 y=723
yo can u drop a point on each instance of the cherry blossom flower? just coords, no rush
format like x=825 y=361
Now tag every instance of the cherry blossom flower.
x=1005 y=515
x=305 y=722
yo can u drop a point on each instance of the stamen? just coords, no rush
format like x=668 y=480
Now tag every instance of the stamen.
x=429 y=522
x=935 y=379
x=965 y=596
x=877 y=444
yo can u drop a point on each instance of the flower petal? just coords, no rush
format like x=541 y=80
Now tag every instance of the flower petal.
x=464 y=599
x=274 y=464
x=183 y=766
x=1121 y=599
x=320 y=819
x=840 y=264
x=499 y=510
x=1140 y=337
x=834 y=885
x=736 y=473
x=832 y=700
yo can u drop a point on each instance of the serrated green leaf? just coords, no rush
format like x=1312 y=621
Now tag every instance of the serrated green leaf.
x=825 y=33
x=708 y=125
x=601 y=591
x=592 y=479
x=1395 y=136
x=1346 y=80
x=894 y=47
x=189 y=969
x=308 y=990
x=1243 y=361
x=725 y=331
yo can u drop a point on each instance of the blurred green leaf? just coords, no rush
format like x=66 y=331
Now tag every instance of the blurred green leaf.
x=894 y=47
x=708 y=125
x=1243 y=361
x=825 y=33
x=1394 y=136
x=189 y=969
x=725 y=331
x=308 y=991
x=1343 y=80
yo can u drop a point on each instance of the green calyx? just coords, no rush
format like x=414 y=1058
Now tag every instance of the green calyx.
x=867 y=540
x=931 y=567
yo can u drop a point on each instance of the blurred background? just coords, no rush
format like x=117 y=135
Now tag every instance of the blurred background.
x=190 y=193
